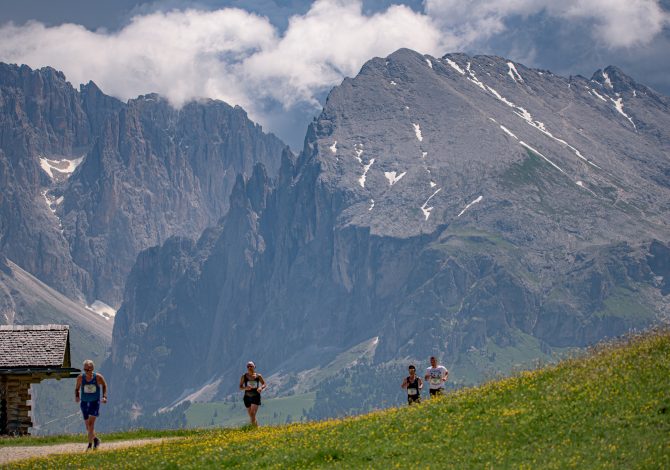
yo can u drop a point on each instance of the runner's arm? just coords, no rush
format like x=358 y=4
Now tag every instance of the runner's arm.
x=77 y=386
x=263 y=384
x=103 y=383
x=420 y=383
x=404 y=383
x=242 y=387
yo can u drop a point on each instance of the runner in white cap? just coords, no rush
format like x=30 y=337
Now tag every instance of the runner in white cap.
x=253 y=384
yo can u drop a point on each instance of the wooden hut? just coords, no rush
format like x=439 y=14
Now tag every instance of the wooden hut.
x=28 y=355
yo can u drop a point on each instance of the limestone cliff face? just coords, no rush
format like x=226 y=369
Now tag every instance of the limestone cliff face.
x=88 y=181
x=40 y=117
x=440 y=205
x=156 y=172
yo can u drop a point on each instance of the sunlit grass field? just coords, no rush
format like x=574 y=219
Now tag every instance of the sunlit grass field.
x=609 y=409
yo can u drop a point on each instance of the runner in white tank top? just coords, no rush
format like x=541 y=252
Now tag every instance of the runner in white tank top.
x=436 y=375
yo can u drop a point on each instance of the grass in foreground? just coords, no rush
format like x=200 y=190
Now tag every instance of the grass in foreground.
x=609 y=410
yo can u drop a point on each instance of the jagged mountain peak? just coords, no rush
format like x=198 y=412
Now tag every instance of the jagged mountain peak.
x=148 y=98
x=492 y=112
x=26 y=71
x=100 y=177
x=614 y=80
x=617 y=83
x=90 y=87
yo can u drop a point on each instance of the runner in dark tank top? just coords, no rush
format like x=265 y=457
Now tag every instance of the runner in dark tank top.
x=413 y=384
x=253 y=384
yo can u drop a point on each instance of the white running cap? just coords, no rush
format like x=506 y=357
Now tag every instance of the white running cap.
x=250 y=363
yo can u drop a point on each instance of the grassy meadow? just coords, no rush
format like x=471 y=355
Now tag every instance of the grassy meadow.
x=607 y=409
x=274 y=411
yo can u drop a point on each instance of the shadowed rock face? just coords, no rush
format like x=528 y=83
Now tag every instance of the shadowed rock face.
x=439 y=205
x=144 y=172
x=157 y=172
x=40 y=115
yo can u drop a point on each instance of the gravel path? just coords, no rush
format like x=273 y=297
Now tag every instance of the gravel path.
x=11 y=454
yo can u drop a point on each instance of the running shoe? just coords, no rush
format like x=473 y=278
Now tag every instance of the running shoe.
x=96 y=442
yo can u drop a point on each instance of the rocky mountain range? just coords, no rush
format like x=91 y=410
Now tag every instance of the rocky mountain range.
x=468 y=207
x=89 y=181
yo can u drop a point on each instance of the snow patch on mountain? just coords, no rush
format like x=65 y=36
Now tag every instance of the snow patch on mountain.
x=608 y=82
x=65 y=167
x=473 y=78
x=501 y=98
x=512 y=72
x=417 y=132
x=508 y=132
x=358 y=150
x=525 y=115
x=100 y=308
x=455 y=66
x=618 y=104
x=52 y=204
x=469 y=205
x=598 y=95
x=427 y=210
x=392 y=178
x=366 y=168
x=583 y=186
x=538 y=153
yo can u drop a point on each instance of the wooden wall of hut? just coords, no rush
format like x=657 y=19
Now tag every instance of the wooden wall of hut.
x=15 y=416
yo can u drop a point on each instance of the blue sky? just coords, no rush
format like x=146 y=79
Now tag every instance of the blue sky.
x=278 y=58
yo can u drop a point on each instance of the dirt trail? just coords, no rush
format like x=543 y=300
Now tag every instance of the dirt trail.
x=12 y=454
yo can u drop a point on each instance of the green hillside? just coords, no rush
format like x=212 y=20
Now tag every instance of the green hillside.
x=610 y=409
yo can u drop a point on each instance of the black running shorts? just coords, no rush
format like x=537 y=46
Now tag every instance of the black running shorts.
x=254 y=399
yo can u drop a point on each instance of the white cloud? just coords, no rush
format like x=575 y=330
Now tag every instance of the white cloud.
x=242 y=58
x=334 y=39
x=228 y=54
x=180 y=54
x=616 y=23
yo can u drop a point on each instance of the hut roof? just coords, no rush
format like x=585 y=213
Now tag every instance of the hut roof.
x=34 y=346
